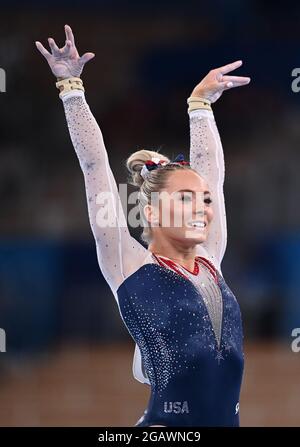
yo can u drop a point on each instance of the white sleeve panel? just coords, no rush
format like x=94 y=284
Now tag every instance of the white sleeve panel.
x=118 y=253
x=207 y=158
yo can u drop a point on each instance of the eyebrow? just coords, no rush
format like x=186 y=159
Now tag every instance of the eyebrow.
x=189 y=190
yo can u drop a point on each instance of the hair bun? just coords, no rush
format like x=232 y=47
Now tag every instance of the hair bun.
x=136 y=162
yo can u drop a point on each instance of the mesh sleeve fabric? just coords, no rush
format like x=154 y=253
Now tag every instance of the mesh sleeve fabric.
x=118 y=253
x=207 y=158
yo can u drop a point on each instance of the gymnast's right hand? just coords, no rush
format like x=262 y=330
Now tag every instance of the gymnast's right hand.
x=65 y=62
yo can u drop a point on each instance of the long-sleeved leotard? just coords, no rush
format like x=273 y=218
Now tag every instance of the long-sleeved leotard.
x=186 y=325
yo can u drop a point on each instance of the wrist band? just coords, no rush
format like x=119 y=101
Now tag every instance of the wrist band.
x=196 y=102
x=69 y=84
x=198 y=98
x=199 y=105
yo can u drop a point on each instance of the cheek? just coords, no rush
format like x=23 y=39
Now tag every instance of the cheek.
x=172 y=214
x=175 y=212
x=165 y=213
x=210 y=214
x=181 y=212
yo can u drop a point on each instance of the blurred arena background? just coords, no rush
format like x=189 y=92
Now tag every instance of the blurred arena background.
x=69 y=356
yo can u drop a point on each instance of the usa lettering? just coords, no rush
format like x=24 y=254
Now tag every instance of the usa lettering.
x=176 y=407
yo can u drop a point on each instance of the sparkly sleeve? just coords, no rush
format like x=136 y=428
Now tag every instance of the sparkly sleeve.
x=207 y=158
x=118 y=253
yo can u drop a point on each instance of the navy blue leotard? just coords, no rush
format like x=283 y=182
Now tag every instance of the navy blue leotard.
x=193 y=381
x=186 y=328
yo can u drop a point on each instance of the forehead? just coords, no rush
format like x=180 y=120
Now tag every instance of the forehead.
x=186 y=179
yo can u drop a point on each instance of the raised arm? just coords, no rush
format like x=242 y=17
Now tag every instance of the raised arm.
x=119 y=254
x=206 y=153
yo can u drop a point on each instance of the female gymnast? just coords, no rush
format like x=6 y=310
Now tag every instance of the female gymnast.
x=172 y=296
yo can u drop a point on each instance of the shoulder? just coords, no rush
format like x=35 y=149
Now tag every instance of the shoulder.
x=215 y=271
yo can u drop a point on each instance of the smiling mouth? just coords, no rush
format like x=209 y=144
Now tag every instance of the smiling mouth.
x=197 y=224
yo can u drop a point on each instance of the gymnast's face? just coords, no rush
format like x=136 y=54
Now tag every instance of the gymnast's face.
x=184 y=207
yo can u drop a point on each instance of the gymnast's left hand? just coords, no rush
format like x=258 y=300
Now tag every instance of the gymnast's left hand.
x=216 y=81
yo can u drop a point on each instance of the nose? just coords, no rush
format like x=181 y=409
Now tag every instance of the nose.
x=199 y=205
x=200 y=213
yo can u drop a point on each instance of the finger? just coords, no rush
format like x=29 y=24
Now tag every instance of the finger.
x=230 y=67
x=67 y=47
x=43 y=50
x=238 y=79
x=225 y=85
x=85 y=58
x=53 y=46
x=237 y=84
x=69 y=34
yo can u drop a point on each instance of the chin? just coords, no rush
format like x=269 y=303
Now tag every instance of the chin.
x=194 y=235
x=198 y=240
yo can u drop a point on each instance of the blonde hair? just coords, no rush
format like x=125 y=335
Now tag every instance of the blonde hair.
x=155 y=182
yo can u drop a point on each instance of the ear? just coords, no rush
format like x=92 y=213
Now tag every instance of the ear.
x=152 y=215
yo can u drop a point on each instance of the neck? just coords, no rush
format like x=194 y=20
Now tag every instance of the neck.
x=181 y=254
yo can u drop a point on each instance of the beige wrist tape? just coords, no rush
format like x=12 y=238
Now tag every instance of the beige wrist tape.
x=196 y=102
x=69 y=84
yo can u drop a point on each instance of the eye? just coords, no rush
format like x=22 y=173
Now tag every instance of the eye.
x=186 y=197
x=208 y=201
